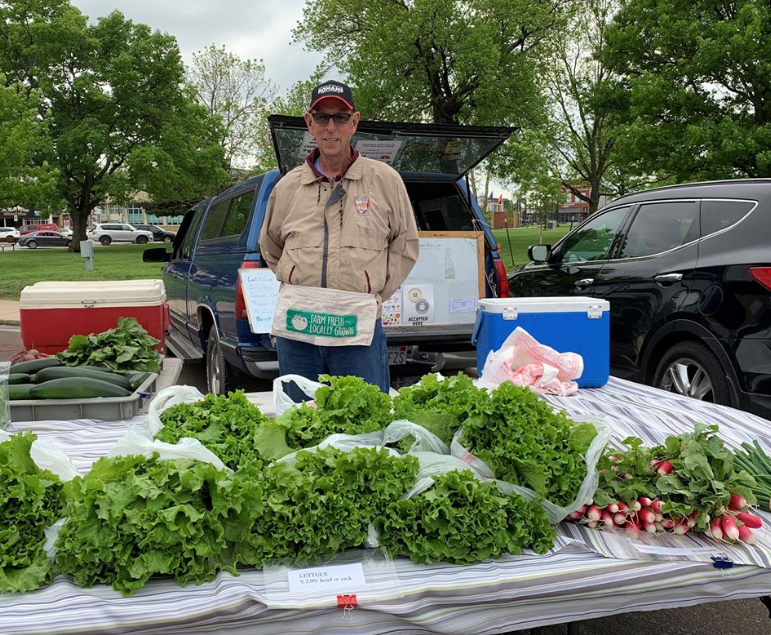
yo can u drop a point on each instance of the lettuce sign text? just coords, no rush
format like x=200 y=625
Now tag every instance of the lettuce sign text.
x=321 y=324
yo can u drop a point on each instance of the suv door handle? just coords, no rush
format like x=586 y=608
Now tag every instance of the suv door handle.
x=669 y=277
x=584 y=282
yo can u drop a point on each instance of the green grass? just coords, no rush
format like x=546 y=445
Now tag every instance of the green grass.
x=24 y=267
x=521 y=239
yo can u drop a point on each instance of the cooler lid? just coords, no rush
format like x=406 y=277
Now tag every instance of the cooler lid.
x=80 y=294
x=567 y=304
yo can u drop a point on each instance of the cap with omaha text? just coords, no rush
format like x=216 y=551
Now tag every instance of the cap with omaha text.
x=331 y=89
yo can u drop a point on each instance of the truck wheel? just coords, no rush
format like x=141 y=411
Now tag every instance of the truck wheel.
x=105 y=240
x=219 y=379
x=141 y=240
x=692 y=370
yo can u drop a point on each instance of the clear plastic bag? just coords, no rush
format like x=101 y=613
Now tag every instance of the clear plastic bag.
x=281 y=401
x=139 y=441
x=5 y=405
x=345 y=443
x=425 y=441
x=167 y=398
x=432 y=464
x=48 y=456
x=588 y=486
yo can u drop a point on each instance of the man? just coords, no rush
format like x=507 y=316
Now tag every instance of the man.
x=340 y=235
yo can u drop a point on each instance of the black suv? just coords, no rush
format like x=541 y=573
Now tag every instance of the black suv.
x=160 y=235
x=687 y=272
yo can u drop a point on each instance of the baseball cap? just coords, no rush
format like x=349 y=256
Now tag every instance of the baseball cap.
x=334 y=89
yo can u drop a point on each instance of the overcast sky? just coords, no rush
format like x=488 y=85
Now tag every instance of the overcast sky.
x=258 y=29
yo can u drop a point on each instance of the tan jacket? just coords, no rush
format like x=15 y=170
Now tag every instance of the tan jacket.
x=366 y=241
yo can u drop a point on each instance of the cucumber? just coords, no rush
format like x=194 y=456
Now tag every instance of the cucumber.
x=76 y=388
x=35 y=365
x=20 y=391
x=138 y=379
x=101 y=369
x=19 y=378
x=60 y=372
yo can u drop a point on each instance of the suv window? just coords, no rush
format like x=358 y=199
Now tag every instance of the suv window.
x=214 y=220
x=659 y=227
x=239 y=212
x=594 y=239
x=717 y=215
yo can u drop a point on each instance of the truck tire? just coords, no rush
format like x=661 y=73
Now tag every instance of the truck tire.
x=219 y=375
x=691 y=369
x=141 y=240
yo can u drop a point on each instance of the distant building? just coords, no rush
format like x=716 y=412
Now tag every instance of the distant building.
x=133 y=213
x=573 y=209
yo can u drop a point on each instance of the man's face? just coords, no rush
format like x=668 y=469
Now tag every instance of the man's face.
x=332 y=138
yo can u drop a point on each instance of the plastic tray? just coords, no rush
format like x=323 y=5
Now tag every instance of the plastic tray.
x=103 y=408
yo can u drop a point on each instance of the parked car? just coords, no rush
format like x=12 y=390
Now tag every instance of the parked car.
x=44 y=239
x=35 y=227
x=66 y=231
x=159 y=234
x=107 y=233
x=9 y=234
x=219 y=236
x=687 y=272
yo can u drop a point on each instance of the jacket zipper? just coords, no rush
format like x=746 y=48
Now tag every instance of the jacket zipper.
x=369 y=286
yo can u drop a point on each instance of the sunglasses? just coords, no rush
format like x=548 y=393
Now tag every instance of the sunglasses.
x=340 y=118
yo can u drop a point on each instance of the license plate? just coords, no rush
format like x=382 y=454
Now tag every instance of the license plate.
x=397 y=355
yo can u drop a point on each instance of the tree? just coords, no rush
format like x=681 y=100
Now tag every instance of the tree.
x=238 y=92
x=443 y=61
x=113 y=104
x=695 y=86
x=20 y=141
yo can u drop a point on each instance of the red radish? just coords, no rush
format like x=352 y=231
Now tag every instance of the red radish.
x=607 y=518
x=582 y=509
x=656 y=505
x=715 y=530
x=627 y=477
x=669 y=523
x=646 y=502
x=615 y=459
x=730 y=530
x=659 y=518
x=652 y=528
x=752 y=521
x=592 y=524
x=646 y=516
x=615 y=468
x=691 y=522
x=592 y=513
x=635 y=506
x=746 y=535
x=664 y=468
x=619 y=518
x=681 y=529
x=623 y=507
x=575 y=516
x=612 y=508
x=659 y=527
x=738 y=503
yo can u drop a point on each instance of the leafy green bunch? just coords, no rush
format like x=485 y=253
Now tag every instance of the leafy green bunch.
x=31 y=499
x=348 y=405
x=704 y=473
x=439 y=405
x=526 y=442
x=226 y=425
x=125 y=347
x=131 y=518
x=462 y=520
x=325 y=502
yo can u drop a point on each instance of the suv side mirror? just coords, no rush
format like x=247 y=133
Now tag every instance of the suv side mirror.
x=539 y=253
x=156 y=254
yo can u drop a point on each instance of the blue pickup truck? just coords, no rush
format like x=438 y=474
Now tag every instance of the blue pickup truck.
x=218 y=236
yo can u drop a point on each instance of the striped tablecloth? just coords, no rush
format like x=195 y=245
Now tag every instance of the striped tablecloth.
x=573 y=582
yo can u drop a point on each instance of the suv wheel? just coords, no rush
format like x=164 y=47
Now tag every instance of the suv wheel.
x=692 y=370
x=218 y=374
x=141 y=240
x=105 y=240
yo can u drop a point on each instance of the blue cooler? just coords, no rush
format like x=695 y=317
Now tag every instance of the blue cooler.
x=567 y=324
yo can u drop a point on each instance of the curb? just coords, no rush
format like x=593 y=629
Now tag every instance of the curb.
x=10 y=322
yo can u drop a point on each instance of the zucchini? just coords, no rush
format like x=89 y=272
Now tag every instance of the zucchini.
x=35 y=365
x=19 y=378
x=60 y=372
x=20 y=391
x=76 y=388
x=101 y=369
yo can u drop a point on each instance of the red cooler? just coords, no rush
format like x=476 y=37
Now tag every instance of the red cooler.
x=51 y=312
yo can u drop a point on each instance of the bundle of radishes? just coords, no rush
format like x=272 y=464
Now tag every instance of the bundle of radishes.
x=28 y=356
x=689 y=483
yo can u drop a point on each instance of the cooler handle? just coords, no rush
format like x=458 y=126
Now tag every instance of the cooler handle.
x=477 y=326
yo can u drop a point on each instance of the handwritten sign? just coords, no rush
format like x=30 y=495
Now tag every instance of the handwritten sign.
x=260 y=289
x=342 y=577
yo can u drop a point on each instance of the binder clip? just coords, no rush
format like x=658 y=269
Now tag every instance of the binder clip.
x=721 y=562
x=347 y=603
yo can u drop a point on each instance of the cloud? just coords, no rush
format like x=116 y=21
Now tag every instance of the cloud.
x=259 y=29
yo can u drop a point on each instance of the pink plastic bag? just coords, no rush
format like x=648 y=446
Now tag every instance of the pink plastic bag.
x=524 y=362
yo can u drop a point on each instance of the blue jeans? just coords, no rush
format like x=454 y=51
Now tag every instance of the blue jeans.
x=308 y=360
